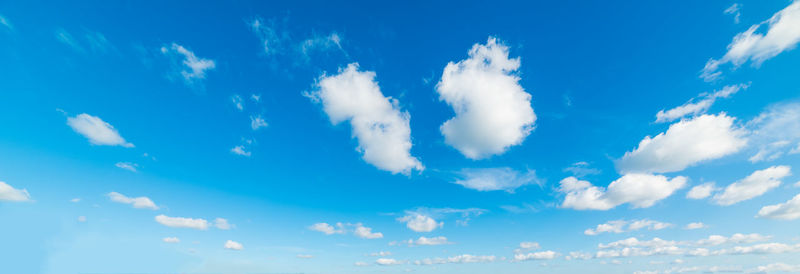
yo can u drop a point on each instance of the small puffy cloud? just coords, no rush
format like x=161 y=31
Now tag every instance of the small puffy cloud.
x=304 y=256
x=696 y=225
x=695 y=107
x=776 y=132
x=491 y=179
x=137 y=202
x=620 y=226
x=96 y=130
x=75 y=200
x=419 y=222
x=240 y=150
x=380 y=254
x=82 y=219
x=233 y=245
x=171 y=240
x=541 y=255
x=238 y=102
x=366 y=232
x=640 y=190
x=327 y=228
x=10 y=194
x=256 y=97
x=181 y=222
x=361 y=264
x=221 y=223
x=132 y=167
x=685 y=144
x=190 y=67
x=492 y=111
x=256 y=122
x=581 y=169
x=701 y=191
x=754 y=185
x=790 y=210
x=388 y=261
x=781 y=35
x=382 y=130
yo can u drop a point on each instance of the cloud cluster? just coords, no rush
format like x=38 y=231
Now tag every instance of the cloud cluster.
x=382 y=130
x=639 y=190
x=492 y=111
x=782 y=35
x=620 y=226
x=187 y=65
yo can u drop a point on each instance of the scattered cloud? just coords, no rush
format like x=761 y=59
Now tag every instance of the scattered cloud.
x=366 y=232
x=541 y=255
x=233 y=245
x=181 y=222
x=382 y=130
x=380 y=254
x=790 y=210
x=96 y=130
x=775 y=267
x=10 y=194
x=75 y=200
x=695 y=107
x=82 y=219
x=304 y=256
x=620 y=226
x=65 y=37
x=132 y=167
x=776 y=131
x=439 y=240
x=223 y=224
x=754 y=185
x=388 y=261
x=734 y=10
x=138 y=202
x=256 y=97
x=696 y=225
x=358 y=229
x=781 y=35
x=701 y=191
x=492 y=111
x=240 y=150
x=187 y=65
x=171 y=240
x=256 y=122
x=458 y=259
x=685 y=144
x=581 y=169
x=238 y=102
x=327 y=228
x=491 y=179
x=640 y=190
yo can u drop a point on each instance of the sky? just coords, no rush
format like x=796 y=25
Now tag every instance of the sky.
x=389 y=137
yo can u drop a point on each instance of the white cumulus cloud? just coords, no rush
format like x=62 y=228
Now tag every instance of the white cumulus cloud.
x=695 y=225
x=684 y=144
x=790 y=210
x=132 y=167
x=96 y=130
x=754 y=185
x=419 y=222
x=171 y=240
x=381 y=128
x=701 y=191
x=694 y=107
x=620 y=226
x=776 y=132
x=492 y=110
x=137 y=202
x=223 y=224
x=782 y=34
x=181 y=222
x=233 y=245
x=640 y=190
x=366 y=232
x=11 y=194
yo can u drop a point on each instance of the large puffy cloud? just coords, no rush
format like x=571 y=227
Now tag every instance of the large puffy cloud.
x=136 y=202
x=182 y=222
x=382 y=130
x=776 y=132
x=694 y=107
x=96 y=130
x=782 y=35
x=190 y=67
x=11 y=194
x=490 y=179
x=420 y=222
x=684 y=144
x=754 y=185
x=493 y=112
x=790 y=210
x=640 y=190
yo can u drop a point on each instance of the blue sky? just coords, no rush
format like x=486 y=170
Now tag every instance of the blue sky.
x=322 y=137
